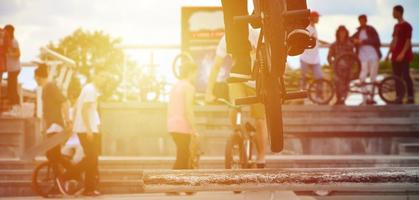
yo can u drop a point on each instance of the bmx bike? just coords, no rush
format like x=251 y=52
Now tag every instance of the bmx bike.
x=322 y=91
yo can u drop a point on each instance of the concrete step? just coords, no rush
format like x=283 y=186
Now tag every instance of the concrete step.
x=273 y=161
x=24 y=188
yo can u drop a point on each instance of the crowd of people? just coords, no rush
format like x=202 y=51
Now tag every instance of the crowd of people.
x=10 y=64
x=365 y=43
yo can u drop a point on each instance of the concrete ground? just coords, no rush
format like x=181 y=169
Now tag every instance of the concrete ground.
x=259 y=195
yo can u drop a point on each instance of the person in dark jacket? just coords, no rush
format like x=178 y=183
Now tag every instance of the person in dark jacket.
x=367 y=43
x=341 y=46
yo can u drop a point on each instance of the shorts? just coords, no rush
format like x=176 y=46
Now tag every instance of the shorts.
x=241 y=90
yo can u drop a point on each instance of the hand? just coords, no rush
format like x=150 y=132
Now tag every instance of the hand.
x=357 y=41
x=400 y=57
x=209 y=97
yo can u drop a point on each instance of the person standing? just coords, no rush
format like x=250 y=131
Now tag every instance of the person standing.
x=13 y=68
x=401 y=53
x=86 y=125
x=3 y=67
x=367 y=42
x=310 y=59
x=341 y=46
x=180 y=115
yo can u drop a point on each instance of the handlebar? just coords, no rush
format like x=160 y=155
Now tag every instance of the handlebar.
x=228 y=103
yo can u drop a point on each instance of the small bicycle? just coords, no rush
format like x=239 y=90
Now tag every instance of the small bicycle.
x=322 y=91
x=47 y=179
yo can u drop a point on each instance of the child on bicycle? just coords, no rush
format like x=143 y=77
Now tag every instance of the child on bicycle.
x=341 y=46
x=180 y=115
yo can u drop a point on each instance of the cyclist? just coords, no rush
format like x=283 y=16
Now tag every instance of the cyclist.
x=240 y=90
x=341 y=46
x=55 y=115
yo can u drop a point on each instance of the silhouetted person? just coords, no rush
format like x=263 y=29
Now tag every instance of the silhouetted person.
x=13 y=69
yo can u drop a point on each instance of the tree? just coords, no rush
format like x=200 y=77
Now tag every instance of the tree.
x=91 y=50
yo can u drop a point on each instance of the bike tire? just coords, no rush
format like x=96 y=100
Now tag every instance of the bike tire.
x=321 y=87
x=271 y=92
x=234 y=158
x=43 y=179
x=387 y=89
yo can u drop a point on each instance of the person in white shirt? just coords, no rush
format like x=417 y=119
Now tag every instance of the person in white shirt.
x=310 y=59
x=86 y=125
x=368 y=46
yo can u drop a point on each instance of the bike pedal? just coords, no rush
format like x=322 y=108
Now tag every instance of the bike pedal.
x=247 y=101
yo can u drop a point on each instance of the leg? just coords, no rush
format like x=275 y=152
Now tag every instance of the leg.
x=303 y=71
x=318 y=74
x=237 y=35
x=362 y=77
x=12 y=86
x=397 y=71
x=236 y=91
x=261 y=136
x=373 y=76
x=408 y=81
x=90 y=161
x=182 y=142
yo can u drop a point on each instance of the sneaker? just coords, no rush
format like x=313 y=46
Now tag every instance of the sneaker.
x=93 y=193
x=410 y=101
x=241 y=71
x=371 y=102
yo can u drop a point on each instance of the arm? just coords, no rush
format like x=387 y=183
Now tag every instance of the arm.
x=331 y=55
x=65 y=107
x=212 y=78
x=406 y=47
x=374 y=40
x=190 y=115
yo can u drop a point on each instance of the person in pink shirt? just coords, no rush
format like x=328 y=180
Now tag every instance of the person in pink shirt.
x=180 y=115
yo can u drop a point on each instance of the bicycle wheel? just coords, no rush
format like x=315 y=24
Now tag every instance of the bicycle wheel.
x=387 y=89
x=178 y=61
x=348 y=65
x=269 y=88
x=234 y=153
x=321 y=92
x=44 y=180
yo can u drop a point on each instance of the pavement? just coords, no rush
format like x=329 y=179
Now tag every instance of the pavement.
x=257 y=195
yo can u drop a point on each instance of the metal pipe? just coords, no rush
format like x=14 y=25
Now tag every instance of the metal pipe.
x=338 y=179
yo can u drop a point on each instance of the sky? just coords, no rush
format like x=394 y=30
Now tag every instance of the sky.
x=158 y=21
